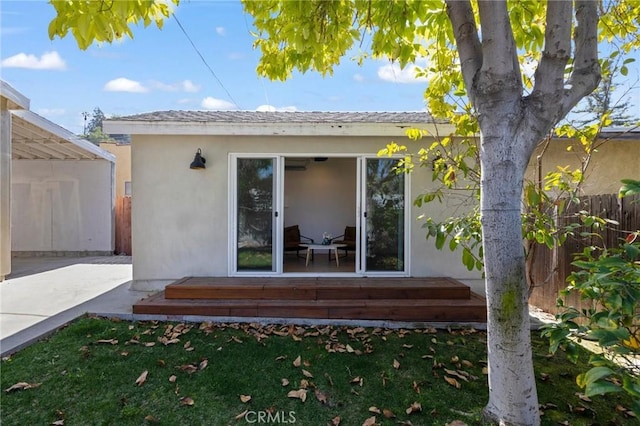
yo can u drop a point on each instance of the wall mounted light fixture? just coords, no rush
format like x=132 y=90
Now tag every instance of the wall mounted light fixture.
x=198 y=161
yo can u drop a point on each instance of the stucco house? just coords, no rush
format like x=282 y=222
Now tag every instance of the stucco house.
x=56 y=189
x=266 y=172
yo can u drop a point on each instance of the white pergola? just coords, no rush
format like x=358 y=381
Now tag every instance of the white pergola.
x=24 y=135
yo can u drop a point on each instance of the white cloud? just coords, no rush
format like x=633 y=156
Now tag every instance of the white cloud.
x=358 y=77
x=124 y=85
x=271 y=108
x=221 y=31
x=189 y=87
x=182 y=86
x=393 y=73
x=216 y=104
x=48 y=61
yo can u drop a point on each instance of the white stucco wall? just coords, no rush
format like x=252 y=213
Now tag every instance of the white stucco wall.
x=62 y=206
x=180 y=216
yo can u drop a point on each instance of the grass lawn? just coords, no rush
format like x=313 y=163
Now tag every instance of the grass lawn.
x=107 y=372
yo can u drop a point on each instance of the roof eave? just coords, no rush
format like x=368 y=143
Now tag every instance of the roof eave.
x=16 y=100
x=63 y=133
x=266 y=129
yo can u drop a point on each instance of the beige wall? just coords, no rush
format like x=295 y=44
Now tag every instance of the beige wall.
x=123 y=164
x=62 y=206
x=613 y=161
x=180 y=216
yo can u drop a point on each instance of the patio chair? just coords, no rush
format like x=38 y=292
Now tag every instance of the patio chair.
x=293 y=239
x=348 y=238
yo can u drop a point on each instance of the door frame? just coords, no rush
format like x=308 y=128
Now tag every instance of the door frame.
x=278 y=218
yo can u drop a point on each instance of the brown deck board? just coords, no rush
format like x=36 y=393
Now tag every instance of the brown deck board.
x=316 y=288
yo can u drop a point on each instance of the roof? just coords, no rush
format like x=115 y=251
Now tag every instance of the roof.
x=15 y=99
x=280 y=117
x=36 y=138
x=312 y=123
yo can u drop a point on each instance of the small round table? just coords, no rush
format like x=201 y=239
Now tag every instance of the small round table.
x=312 y=247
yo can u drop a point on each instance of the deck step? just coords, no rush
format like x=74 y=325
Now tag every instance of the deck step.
x=472 y=309
x=316 y=289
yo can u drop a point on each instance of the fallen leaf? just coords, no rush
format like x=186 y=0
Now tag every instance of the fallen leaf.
x=143 y=378
x=350 y=349
x=297 y=361
x=189 y=368
x=388 y=413
x=151 y=419
x=285 y=382
x=456 y=423
x=452 y=382
x=241 y=415
x=281 y=357
x=245 y=398
x=415 y=407
x=300 y=394
x=203 y=364
x=396 y=364
x=583 y=397
x=108 y=341
x=374 y=409
x=357 y=380
x=307 y=374
x=320 y=396
x=407 y=346
x=371 y=421
x=235 y=339
x=485 y=370
x=172 y=378
x=416 y=388
x=58 y=423
x=336 y=421
x=456 y=374
x=304 y=384
x=22 y=386
x=185 y=400
x=467 y=363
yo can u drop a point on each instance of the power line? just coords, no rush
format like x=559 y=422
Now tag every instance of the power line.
x=205 y=62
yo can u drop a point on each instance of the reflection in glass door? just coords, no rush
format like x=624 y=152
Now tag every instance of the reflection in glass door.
x=384 y=216
x=255 y=219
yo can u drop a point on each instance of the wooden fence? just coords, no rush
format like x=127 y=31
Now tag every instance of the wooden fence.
x=551 y=267
x=123 y=226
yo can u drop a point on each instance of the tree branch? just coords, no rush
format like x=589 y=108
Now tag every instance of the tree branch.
x=586 y=68
x=549 y=75
x=500 y=56
x=468 y=44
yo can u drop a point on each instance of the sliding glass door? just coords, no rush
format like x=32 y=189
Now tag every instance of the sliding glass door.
x=255 y=215
x=384 y=216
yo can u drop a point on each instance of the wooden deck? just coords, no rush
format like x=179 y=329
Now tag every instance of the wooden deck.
x=394 y=299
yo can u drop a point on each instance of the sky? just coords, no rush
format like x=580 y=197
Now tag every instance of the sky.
x=161 y=70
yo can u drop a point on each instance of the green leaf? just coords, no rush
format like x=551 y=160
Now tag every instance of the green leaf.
x=594 y=374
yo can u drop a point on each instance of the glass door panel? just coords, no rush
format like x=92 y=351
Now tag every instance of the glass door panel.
x=255 y=218
x=384 y=216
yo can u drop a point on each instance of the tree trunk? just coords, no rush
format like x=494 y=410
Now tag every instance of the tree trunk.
x=512 y=389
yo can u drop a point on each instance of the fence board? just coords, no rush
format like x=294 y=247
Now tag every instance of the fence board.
x=551 y=267
x=123 y=225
